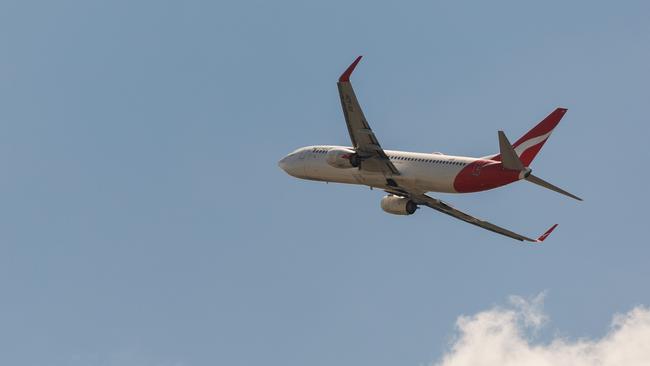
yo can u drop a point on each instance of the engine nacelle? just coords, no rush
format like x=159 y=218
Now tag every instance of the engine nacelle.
x=342 y=158
x=397 y=205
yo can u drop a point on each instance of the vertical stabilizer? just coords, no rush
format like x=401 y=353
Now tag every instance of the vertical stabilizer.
x=531 y=143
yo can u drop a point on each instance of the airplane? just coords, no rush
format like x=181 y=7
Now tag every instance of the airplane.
x=408 y=176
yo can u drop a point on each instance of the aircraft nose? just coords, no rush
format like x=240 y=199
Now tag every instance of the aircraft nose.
x=290 y=166
x=283 y=163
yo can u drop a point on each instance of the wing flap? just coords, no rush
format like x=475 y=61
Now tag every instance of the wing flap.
x=445 y=208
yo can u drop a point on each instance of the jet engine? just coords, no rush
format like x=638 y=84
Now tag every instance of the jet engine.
x=342 y=158
x=397 y=205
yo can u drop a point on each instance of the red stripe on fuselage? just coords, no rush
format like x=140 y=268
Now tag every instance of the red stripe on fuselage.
x=482 y=175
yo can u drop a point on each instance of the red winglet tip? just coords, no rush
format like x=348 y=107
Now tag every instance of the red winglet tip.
x=546 y=234
x=345 y=77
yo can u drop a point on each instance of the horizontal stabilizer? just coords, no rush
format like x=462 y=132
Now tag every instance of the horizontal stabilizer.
x=540 y=182
x=510 y=160
x=509 y=157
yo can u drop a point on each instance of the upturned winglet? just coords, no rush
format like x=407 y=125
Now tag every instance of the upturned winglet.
x=546 y=234
x=345 y=76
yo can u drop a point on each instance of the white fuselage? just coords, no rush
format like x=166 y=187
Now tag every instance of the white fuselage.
x=425 y=172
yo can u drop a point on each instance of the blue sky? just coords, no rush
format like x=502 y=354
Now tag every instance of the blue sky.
x=145 y=220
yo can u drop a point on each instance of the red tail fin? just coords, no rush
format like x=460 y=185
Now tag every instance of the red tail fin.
x=529 y=144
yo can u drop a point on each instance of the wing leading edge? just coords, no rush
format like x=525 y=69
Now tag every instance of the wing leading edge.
x=373 y=158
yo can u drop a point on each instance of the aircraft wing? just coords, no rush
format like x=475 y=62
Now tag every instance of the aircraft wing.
x=373 y=158
x=438 y=205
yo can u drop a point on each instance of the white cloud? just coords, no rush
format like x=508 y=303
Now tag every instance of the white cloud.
x=501 y=336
